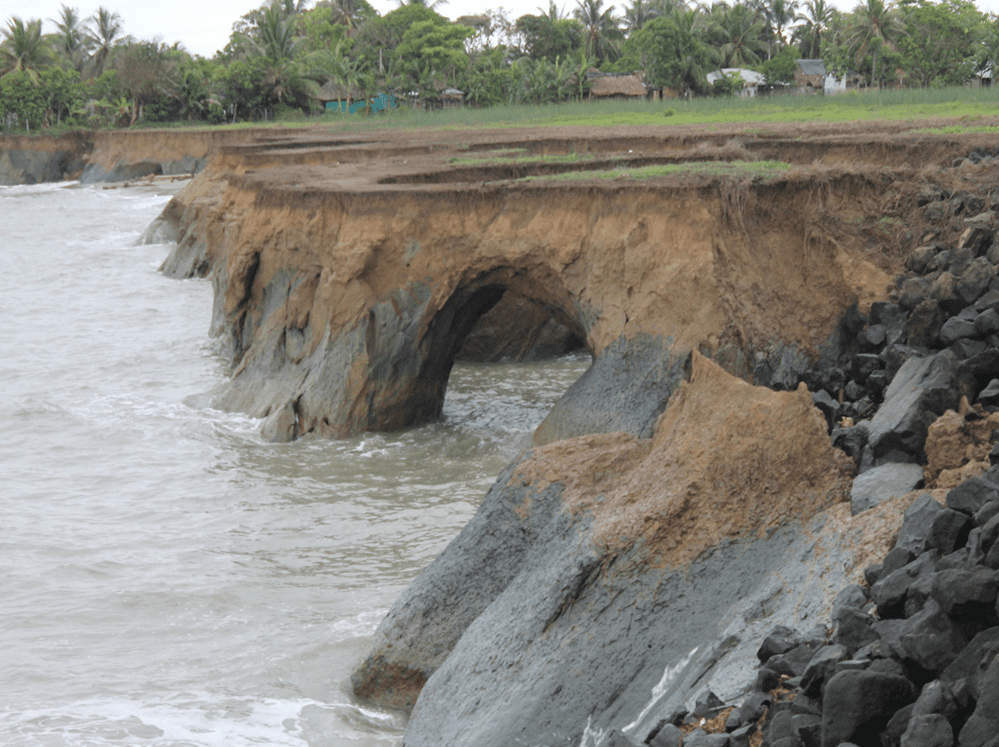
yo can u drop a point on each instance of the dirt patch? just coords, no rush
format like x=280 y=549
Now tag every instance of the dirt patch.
x=728 y=460
x=957 y=447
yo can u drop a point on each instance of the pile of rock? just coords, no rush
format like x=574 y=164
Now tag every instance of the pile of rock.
x=911 y=660
x=911 y=359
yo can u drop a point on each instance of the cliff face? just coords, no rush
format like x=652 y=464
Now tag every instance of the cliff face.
x=345 y=303
x=671 y=512
x=31 y=160
x=606 y=579
x=118 y=155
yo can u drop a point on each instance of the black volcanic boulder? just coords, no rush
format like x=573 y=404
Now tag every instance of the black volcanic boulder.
x=780 y=640
x=983 y=726
x=971 y=495
x=928 y=525
x=922 y=390
x=931 y=639
x=931 y=730
x=858 y=704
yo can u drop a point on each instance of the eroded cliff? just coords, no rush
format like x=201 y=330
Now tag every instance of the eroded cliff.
x=346 y=299
x=671 y=511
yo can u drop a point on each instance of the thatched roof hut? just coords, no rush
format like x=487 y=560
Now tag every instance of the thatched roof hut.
x=331 y=91
x=617 y=86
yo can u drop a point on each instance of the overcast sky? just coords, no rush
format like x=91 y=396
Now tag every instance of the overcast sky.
x=203 y=26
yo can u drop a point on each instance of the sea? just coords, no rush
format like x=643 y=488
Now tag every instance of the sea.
x=167 y=577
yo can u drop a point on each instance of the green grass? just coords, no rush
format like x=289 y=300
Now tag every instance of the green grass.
x=711 y=168
x=499 y=160
x=905 y=104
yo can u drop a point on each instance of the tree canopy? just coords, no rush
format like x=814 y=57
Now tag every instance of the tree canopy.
x=280 y=54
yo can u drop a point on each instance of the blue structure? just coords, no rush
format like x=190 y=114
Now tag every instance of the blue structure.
x=379 y=103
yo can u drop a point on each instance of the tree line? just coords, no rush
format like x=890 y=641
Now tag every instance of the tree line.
x=89 y=72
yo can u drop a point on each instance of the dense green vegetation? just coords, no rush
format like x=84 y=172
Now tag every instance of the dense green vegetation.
x=279 y=57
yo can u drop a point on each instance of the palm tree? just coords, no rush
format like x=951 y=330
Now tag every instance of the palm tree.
x=107 y=31
x=638 y=14
x=877 y=24
x=425 y=3
x=348 y=12
x=553 y=13
x=584 y=65
x=599 y=26
x=692 y=21
x=74 y=39
x=22 y=49
x=276 y=34
x=780 y=14
x=815 y=22
x=738 y=33
x=290 y=7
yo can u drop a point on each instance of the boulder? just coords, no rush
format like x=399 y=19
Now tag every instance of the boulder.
x=989 y=300
x=923 y=389
x=863 y=365
x=753 y=707
x=912 y=292
x=968 y=665
x=794 y=662
x=943 y=291
x=967 y=348
x=854 y=630
x=780 y=640
x=919 y=258
x=740 y=737
x=890 y=592
x=931 y=730
x=955 y=329
x=668 y=736
x=698 y=738
x=617 y=738
x=983 y=726
x=897 y=724
x=986 y=323
x=975 y=373
x=928 y=525
x=931 y=639
x=974 y=281
x=965 y=594
x=971 y=495
x=926 y=324
x=936 y=698
x=882 y=483
x=989 y=396
x=859 y=703
x=850 y=440
x=821 y=668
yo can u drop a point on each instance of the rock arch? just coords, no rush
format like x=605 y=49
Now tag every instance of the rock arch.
x=412 y=374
